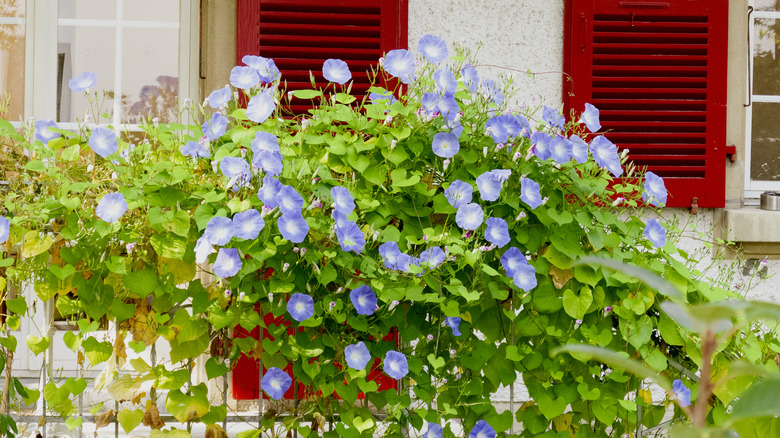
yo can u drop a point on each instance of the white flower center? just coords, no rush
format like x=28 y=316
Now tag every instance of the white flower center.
x=394 y=366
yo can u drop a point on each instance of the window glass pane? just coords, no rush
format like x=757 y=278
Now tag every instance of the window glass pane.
x=161 y=10
x=150 y=74
x=766 y=56
x=766 y=5
x=12 y=49
x=765 y=148
x=88 y=9
x=81 y=49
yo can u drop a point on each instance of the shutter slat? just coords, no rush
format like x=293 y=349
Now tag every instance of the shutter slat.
x=321 y=29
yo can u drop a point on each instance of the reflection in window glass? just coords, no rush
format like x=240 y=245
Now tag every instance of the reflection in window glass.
x=12 y=48
x=150 y=85
x=765 y=148
x=144 y=75
x=766 y=63
x=81 y=49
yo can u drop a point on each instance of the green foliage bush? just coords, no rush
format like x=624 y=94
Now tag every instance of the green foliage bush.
x=139 y=272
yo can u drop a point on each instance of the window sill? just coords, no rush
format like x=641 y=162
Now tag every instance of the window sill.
x=755 y=232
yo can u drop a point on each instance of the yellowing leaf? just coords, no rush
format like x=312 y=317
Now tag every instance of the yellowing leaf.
x=35 y=243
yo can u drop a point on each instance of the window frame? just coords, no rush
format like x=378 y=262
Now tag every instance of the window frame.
x=753 y=188
x=41 y=28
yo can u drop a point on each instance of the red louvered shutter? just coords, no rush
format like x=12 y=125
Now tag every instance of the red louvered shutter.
x=299 y=35
x=656 y=70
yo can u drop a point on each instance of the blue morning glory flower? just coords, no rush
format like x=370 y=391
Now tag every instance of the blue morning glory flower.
x=430 y=103
x=83 y=81
x=339 y=217
x=512 y=260
x=233 y=167
x=215 y=127
x=655 y=190
x=244 y=77
x=395 y=365
x=269 y=162
x=268 y=191
x=502 y=127
x=265 y=67
x=591 y=118
x=289 y=200
x=351 y=237
x=606 y=155
x=453 y=322
x=497 y=231
x=400 y=64
x=43 y=133
x=336 y=70
x=682 y=393
x=470 y=77
x=203 y=249
x=293 y=227
x=265 y=146
x=342 y=200
x=432 y=256
x=560 y=149
x=459 y=193
x=524 y=277
x=492 y=91
x=260 y=107
x=482 y=430
x=111 y=207
x=655 y=232
x=445 y=81
x=247 y=224
x=553 y=118
x=433 y=48
x=228 y=263
x=445 y=144
x=542 y=145
x=391 y=254
x=579 y=149
x=194 y=149
x=524 y=128
x=103 y=141
x=530 y=193
x=448 y=107
x=364 y=300
x=489 y=185
x=434 y=431
x=403 y=262
x=357 y=356
x=275 y=383
x=219 y=230
x=220 y=97
x=470 y=216
x=300 y=307
x=5 y=229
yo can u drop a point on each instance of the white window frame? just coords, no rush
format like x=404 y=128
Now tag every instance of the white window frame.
x=41 y=27
x=42 y=22
x=754 y=188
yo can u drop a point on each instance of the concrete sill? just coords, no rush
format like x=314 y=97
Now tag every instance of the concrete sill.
x=755 y=231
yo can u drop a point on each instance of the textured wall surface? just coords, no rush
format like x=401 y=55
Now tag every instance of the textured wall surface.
x=521 y=35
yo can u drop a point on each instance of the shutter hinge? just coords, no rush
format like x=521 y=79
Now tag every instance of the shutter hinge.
x=731 y=152
x=694 y=205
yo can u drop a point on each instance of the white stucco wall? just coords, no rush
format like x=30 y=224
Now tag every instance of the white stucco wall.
x=526 y=36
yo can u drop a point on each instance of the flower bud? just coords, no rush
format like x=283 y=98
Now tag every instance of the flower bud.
x=392 y=144
x=388 y=120
x=430 y=337
x=445 y=164
x=285 y=267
